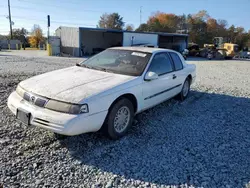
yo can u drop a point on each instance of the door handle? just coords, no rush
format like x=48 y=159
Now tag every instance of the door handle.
x=174 y=76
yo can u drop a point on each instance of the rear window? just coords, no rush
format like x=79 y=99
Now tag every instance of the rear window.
x=177 y=61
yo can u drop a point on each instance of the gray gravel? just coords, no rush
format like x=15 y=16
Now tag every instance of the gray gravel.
x=201 y=142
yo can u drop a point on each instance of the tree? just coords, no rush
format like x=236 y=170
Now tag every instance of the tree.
x=163 y=22
x=3 y=37
x=19 y=34
x=36 y=36
x=111 y=21
x=222 y=28
x=201 y=15
x=142 y=28
x=129 y=27
x=182 y=25
x=197 y=29
x=241 y=37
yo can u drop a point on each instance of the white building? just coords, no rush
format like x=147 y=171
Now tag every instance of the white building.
x=79 y=41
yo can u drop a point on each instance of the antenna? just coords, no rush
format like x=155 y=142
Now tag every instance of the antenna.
x=140 y=14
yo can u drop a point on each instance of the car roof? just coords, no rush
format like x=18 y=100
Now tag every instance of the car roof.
x=143 y=49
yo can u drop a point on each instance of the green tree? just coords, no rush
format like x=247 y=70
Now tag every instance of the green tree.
x=198 y=28
x=19 y=33
x=143 y=28
x=3 y=37
x=111 y=21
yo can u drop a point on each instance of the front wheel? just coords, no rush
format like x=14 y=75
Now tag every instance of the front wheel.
x=185 y=90
x=119 y=119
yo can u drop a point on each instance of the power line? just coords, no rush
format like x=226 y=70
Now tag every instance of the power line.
x=41 y=11
x=52 y=21
x=48 y=12
x=46 y=4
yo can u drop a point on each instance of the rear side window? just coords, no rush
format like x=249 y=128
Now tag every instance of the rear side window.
x=177 y=61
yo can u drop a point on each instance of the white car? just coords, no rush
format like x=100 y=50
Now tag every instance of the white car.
x=105 y=91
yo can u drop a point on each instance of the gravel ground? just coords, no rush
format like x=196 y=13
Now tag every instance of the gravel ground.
x=201 y=142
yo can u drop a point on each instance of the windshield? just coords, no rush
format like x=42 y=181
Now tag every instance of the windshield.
x=125 y=62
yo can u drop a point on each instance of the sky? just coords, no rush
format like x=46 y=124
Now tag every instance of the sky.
x=86 y=13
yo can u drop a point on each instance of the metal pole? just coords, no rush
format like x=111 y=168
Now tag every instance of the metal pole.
x=11 y=36
x=48 y=35
x=48 y=24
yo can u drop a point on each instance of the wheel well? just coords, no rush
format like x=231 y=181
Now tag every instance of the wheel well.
x=190 y=77
x=130 y=97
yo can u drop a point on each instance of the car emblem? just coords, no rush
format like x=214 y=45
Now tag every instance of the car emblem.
x=32 y=99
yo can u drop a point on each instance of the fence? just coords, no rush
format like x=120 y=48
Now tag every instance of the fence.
x=10 y=44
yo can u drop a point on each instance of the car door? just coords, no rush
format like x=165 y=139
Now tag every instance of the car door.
x=157 y=90
x=179 y=74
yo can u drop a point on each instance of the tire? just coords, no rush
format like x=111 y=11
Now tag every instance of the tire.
x=122 y=110
x=184 y=93
x=60 y=136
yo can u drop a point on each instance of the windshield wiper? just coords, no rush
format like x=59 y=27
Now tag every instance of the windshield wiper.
x=95 y=68
x=105 y=69
x=83 y=65
x=101 y=69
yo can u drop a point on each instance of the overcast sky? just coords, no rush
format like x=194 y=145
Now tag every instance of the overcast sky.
x=86 y=13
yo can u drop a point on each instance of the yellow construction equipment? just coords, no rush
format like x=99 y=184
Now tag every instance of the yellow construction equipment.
x=219 y=49
x=231 y=49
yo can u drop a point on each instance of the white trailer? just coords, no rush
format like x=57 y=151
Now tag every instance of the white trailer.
x=133 y=39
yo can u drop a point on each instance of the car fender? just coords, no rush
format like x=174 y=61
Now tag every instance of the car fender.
x=104 y=100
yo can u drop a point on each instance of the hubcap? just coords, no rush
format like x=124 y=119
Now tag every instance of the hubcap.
x=185 y=88
x=122 y=118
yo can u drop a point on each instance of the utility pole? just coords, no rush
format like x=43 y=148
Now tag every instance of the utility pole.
x=140 y=14
x=48 y=24
x=11 y=36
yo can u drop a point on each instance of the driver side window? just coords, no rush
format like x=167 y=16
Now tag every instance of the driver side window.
x=161 y=64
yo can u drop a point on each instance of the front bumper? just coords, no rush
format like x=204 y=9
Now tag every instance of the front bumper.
x=62 y=123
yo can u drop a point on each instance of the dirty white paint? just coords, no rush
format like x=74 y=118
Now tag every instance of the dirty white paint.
x=72 y=84
x=98 y=90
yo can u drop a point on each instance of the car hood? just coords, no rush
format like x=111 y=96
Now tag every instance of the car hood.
x=72 y=84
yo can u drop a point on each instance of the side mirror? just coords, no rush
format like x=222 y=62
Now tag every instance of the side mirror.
x=151 y=76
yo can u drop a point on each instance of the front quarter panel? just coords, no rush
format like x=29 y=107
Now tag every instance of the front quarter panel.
x=104 y=100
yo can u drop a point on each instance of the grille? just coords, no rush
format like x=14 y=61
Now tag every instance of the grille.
x=41 y=121
x=26 y=97
x=38 y=101
x=47 y=123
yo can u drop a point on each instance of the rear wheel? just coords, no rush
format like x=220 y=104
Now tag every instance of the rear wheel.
x=185 y=90
x=119 y=119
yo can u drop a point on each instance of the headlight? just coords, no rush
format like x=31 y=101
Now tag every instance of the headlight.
x=20 y=91
x=67 y=107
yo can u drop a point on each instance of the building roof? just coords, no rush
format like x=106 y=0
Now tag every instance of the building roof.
x=122 y=31
x=143 y=49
